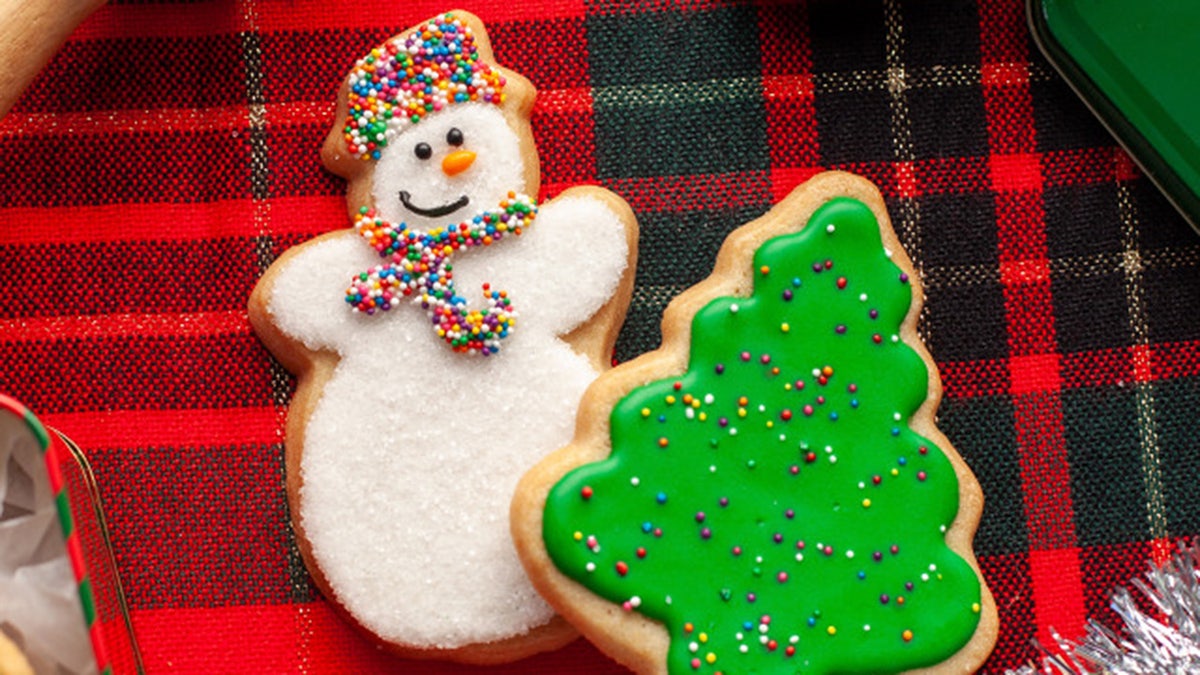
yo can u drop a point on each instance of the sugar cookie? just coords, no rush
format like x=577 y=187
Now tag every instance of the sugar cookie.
x=767 y=492
x=441 y=346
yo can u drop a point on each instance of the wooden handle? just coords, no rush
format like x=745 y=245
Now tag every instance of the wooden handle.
x=31 y=31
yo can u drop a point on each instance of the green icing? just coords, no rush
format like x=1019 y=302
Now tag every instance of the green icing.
x=737 y=519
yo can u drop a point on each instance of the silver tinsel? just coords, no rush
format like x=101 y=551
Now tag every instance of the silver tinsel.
x=1145 y=644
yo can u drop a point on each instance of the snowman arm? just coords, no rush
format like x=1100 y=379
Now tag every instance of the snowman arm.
x=581 y=250
x=304 y=291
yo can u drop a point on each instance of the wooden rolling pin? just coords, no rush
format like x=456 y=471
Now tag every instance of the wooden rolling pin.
x=31 y=31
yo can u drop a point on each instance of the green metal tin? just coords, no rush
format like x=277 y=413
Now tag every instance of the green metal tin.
x=1135 y=64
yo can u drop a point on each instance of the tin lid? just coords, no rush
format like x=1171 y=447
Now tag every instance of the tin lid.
x=1132 y=62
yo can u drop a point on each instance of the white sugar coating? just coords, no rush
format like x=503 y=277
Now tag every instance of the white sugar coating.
x=413 y=452
x=497 y=169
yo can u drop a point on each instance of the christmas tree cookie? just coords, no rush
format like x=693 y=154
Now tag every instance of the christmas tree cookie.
x=767 y=492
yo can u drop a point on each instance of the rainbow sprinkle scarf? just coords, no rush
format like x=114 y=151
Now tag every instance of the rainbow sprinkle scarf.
x=419 y=267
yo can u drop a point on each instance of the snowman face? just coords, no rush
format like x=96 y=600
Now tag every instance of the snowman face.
x=448 y=167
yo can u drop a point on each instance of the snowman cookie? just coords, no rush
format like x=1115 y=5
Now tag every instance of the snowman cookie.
x=441 y=346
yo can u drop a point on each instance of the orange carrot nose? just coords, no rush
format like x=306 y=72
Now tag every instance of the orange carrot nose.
x=457 y=162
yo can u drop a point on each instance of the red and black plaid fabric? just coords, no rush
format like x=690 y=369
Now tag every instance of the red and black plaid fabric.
x=169 y=154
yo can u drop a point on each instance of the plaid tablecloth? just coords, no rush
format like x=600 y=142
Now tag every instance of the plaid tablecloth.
x=169 y=154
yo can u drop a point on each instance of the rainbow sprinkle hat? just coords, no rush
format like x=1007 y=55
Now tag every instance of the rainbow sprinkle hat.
x=412 y=75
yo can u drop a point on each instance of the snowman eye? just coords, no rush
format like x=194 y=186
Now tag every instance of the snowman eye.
x=423 y=151
x=454 y=136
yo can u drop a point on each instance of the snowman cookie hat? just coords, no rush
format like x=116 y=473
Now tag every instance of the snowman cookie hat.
x=417 y=73
x=441 y=63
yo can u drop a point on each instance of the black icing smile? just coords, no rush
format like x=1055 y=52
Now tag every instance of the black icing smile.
x=436 y=211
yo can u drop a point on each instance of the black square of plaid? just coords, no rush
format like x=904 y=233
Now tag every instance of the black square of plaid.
x=975 y=426
x=1159 y=224
x=845 y=47
x=1089 y=294
x=1108 y=490
x=947 y=119
x=960 y=234
x=1171 y=283
x=965 y=315
x=136 y=373
x=1063 y=121
x=1084 y=221
x=853 y=120
x=941 y=34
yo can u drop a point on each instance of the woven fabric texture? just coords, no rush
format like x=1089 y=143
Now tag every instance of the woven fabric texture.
x=168 y=155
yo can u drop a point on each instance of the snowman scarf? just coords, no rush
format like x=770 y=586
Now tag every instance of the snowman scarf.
x=418 y=266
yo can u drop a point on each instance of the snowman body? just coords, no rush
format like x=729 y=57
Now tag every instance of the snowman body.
x=412 y=451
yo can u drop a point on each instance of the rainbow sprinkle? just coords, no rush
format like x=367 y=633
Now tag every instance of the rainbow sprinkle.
x=414 y=74
x=419 y=267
